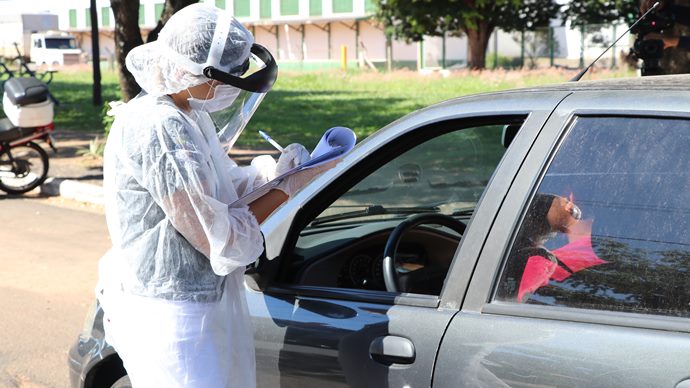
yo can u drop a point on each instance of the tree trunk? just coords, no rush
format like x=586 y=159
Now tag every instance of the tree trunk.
x=127 y=37
x=478 y=41
x=170 y=7
x=95 y=55
x=677 y=60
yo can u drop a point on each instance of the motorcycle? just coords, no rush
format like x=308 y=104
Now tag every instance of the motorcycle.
x=28 y=104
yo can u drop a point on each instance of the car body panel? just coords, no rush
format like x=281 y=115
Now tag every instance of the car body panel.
x=319 y=333
x=501 y=344
x=304 y=341
x=496 y=350
x=311 y=336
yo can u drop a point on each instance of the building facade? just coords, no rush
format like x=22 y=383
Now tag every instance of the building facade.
x=309 y=34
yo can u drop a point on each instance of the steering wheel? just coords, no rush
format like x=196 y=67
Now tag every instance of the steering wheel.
x=390 y=274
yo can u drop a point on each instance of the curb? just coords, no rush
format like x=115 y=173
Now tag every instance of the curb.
x=79 y=191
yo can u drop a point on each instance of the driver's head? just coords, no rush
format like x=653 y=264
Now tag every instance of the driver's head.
x=550 y=214
x=563 y=214
x=194 y=38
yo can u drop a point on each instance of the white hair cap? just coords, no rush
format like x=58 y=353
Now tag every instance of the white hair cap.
x=195 y=37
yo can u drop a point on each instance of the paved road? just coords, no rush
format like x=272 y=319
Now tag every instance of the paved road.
x=49 y=253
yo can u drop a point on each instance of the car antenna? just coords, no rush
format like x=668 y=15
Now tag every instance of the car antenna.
x=581 y=73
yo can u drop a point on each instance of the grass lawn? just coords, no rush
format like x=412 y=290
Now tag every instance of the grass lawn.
x=303 y=105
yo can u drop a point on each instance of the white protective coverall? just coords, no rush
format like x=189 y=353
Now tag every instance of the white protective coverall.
x=171 y=286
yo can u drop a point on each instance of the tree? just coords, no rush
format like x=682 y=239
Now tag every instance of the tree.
x=413 y=19
x=128 y=36
x=584 y=12
x=95 y=49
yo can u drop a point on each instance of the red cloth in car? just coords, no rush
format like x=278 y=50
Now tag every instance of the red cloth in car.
x=576 y=255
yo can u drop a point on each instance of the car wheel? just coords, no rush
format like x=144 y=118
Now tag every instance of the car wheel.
x=122 y=382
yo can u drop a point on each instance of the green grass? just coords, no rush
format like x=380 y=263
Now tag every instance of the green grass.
x=303 y=105
x=74 y=91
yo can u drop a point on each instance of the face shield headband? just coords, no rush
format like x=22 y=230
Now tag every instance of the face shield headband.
x=260 y=81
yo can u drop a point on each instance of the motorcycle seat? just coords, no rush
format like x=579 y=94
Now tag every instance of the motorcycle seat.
x=9 y=131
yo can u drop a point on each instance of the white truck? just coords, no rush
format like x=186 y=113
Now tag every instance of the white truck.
x=54 y=48
x=37 y=38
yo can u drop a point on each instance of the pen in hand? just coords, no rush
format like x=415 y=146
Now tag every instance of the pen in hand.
x=271 y=141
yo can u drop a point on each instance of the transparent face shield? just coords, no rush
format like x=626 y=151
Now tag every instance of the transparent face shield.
x=256 y=78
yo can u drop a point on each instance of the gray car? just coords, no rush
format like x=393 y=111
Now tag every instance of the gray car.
x=428 y=258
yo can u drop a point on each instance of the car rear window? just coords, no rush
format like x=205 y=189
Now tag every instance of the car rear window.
x=609 y=226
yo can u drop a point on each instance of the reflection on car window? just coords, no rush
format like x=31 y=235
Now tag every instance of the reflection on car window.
x=610 y=225
x=446 y=174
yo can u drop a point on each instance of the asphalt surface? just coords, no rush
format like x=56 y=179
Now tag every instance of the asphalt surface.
x=50 y=250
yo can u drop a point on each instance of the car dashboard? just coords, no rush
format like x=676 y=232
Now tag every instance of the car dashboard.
x=352 y=257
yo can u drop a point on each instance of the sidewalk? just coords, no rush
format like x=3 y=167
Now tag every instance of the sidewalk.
x=80 y=177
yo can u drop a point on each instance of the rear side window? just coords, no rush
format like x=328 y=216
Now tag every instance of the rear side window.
x=609 y=226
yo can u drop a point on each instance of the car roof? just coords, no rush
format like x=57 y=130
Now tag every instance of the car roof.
x=651 y=83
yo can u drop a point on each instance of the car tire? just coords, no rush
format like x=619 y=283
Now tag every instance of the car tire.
x=122 y=382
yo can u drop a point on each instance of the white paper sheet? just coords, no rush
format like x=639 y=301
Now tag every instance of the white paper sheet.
x=334 y=143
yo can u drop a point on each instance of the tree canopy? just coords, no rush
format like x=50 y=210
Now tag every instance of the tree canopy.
x=583 y=12
x=411 y=20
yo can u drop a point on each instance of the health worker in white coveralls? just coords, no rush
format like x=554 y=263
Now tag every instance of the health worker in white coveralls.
x=171 y=286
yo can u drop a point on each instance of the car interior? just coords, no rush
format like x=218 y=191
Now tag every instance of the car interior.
x=413 y=208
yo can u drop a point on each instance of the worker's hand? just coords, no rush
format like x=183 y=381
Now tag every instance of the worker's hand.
x=265 y=166
x=645 y=5
x=669 y=41
x=297 y=181
x=293 y=156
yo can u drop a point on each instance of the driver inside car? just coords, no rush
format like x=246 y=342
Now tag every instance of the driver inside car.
x=531 y=265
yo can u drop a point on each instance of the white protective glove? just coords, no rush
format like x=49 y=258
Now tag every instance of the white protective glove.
x=293 y=156
x=265 y=167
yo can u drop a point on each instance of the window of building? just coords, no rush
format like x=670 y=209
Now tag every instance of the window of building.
x=87 y=17
x=105 y=16
x=142 y=14
x=289 y=7
x=265 y=9
x=609 y=226
x=220 y=4
x=241 y=8
x=158 y=10
x=342 y=6
x=73 y=18
x=369 y=5
x=315 y=7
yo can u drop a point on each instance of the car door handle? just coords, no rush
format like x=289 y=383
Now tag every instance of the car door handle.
x=392 y=349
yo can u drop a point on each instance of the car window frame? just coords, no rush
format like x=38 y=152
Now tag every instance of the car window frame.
x=532 y=173
x=355 y=174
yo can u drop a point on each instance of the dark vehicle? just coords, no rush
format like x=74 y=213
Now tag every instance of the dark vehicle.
x=405 y=266
x=29 y=107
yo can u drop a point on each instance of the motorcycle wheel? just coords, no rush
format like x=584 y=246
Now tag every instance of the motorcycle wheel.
x=27 y=170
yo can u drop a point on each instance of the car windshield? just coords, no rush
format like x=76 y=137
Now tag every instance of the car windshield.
x=61 y=43
x=446 y=174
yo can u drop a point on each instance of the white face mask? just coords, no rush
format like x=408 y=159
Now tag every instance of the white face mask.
x=223 y=97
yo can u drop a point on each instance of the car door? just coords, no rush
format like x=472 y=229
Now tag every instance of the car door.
x=600 y=301
x=316 y=327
